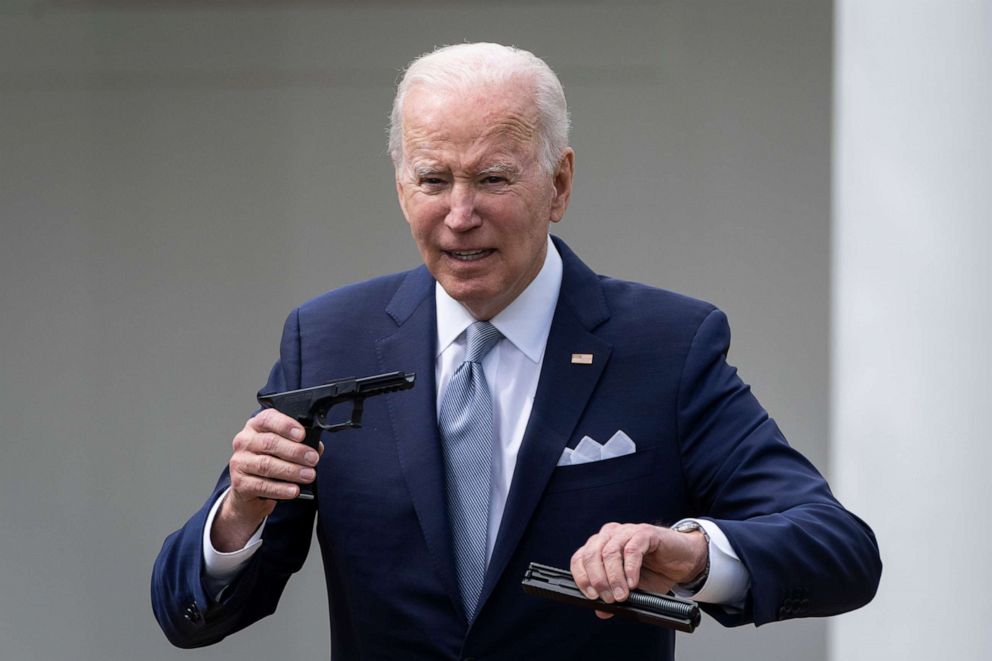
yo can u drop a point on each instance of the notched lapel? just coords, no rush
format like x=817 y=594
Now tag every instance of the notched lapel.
x=562 y=396
x=414 y=420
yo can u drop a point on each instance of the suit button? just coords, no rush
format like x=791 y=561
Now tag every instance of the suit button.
x=192 y=613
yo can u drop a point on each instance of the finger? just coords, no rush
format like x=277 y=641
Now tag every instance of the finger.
x=271 y=443
x=251 y=486
x=603 y=615
x=279 y=423
x=609 y=528
x=591 y=559
x=580 y=577
x=614 y=564
x=271 y=467
x=633 y=556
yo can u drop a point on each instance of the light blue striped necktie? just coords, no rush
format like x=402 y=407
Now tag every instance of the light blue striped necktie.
x=466 y=424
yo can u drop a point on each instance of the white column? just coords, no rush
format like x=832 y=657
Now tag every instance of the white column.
x=912 y=313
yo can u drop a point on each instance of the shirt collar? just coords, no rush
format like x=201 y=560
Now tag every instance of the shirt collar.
x=525 y=322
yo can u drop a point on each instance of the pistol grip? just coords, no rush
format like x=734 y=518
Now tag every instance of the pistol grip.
x=312 y=440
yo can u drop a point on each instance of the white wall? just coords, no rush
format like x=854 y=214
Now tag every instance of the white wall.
x=912 y=293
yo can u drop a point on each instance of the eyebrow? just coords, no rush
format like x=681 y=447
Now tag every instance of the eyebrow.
x=500 y=168
x=426 y=169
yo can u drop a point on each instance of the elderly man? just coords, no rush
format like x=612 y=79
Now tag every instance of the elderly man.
x=560 y=417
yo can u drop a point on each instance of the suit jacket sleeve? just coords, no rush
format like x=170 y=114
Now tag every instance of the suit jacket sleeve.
x=806 y=554
x=186 y=613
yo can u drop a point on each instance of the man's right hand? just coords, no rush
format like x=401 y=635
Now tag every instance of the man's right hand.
x=267 y=465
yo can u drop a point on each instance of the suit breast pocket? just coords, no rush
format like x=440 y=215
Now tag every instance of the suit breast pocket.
x=602 y=473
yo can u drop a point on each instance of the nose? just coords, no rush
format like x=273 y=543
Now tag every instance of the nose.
x=461 y=211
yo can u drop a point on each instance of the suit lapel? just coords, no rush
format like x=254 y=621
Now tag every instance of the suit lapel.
x=414 y=416
x=563 y=391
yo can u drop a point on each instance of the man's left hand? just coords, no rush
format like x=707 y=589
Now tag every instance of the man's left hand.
x=621 y=557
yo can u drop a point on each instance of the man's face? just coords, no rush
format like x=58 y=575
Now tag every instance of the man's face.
x=472 y=189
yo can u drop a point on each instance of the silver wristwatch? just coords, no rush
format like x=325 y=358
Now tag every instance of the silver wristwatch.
x=697 y=583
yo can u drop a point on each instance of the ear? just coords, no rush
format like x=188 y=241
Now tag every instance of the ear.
x=563 y=185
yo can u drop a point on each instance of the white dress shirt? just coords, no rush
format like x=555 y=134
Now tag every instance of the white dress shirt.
x=512 y=370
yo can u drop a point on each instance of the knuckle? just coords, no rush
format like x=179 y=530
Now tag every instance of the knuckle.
x=261 y=487
x=588 y=552
x=264 y=464
x=261 y=419
x=270 y=420
x=290 y=472
x=269 y=443
x=243 y=485
x=239 y=441
x=266 y=488
x=611 y=549
x=640 y=537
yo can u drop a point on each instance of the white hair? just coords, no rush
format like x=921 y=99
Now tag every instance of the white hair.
x=463 y=66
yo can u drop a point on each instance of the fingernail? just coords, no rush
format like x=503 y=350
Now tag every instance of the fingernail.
x=296 y=433
x=311 y=458
x=630 y=583
x=590 y=593
x=618 y=593
x=307 y=474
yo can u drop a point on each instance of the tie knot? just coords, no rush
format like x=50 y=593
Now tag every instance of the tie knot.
x=482 y=336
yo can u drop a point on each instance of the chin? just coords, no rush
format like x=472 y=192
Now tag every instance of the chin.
x=474 y=296
x=465 y=292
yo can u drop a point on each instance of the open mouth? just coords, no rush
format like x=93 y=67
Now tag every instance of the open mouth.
x=468 y=255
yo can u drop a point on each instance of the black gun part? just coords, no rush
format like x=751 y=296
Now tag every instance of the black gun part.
x=311 y=406
x=641 y=605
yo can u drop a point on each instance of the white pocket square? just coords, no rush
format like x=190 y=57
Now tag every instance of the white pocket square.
x=588 y=450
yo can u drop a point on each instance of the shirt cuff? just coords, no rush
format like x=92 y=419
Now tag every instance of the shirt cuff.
x=729 y=579
x=220 y=569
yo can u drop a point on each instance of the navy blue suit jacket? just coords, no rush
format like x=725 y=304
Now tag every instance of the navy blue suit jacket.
x=705 y=448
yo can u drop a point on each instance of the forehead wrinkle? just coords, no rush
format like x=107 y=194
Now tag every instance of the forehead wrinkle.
x=513 y=125
x=492 y=145
x=427 y=158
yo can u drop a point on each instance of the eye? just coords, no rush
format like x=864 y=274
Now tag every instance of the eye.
x=431 y=182
x=493 y=179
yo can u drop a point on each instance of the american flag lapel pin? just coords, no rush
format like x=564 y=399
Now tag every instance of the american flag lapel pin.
x=582 y=359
